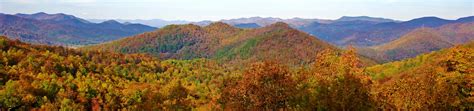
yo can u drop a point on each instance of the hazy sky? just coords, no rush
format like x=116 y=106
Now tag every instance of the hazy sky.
x=196 y=10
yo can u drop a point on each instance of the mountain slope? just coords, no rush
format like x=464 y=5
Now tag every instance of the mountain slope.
x=54 y=18
x=363 y=32
x=57 y=73
x=422 y=40
x=441 y=79
x=391 y=69
x=457 y=33
x=62 y=29
x=223 y=42
x=416 y=42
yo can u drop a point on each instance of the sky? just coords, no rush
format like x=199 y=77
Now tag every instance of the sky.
x=197 y=10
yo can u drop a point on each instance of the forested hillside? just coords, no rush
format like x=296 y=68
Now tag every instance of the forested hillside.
x=438 y=80
x=366 y=32
x=65 y=30
x=224 y=43
x=51 y=78
x=420 y=41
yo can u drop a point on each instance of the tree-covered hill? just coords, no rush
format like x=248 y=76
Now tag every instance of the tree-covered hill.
x=420 y=41
x=224 y=43
x=39 y=77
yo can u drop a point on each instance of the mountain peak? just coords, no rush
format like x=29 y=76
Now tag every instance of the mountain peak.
x=350 y=17
x=45 y=28
x=430 y=18
x=221 y=27
x=427 y=21
x=224 y=42
x=219 y=24
x=466 y=19
x=40 y=13
x=279 y=25
x=255 y=17
x=364 y=18
x=111 y=22
x=177 y=28
x=52 y=17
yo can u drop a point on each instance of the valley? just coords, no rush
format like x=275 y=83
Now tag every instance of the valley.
x=170 y=55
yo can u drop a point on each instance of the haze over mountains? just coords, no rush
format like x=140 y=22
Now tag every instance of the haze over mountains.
x=62 y=29
x=422 y=40
x=377 y=34
x=351 y=63
x=264 y=21
x=347 y=30
x=370 y=33
x=236 y=55
x=379 y=38
x=151 y=22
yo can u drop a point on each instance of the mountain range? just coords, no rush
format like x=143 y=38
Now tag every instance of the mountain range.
x=381 y=39
x=352 y=63
x=452 y=57
x=365 y=32
x=224 y=42
x=83 y=79
x=247 y=25
x=365 y=18
x=422 y=40
x=264 y=21
x=359 y=31
x=150 y=22
x=62 y=29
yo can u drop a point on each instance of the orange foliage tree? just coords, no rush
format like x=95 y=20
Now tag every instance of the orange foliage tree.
x=340 y=83
x=265 y=85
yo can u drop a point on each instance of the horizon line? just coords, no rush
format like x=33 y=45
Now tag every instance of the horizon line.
x=243 y=17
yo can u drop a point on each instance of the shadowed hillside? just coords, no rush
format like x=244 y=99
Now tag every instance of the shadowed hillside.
x=365 y=31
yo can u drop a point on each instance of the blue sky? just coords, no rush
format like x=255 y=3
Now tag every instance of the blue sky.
x=196 y=10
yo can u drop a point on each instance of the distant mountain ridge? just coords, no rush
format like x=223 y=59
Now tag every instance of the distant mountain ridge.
x=379 y=38
x=62 y=29
x=422 y=40
x=359 y=31
x=365 y=18
x=247 y=25
x=264 y=21
x=418 y=41
x=60 y=17
x=151 y=22
x=367 y=32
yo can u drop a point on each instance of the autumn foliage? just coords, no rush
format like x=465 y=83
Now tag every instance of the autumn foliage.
x=52 y=78
x=265 y=85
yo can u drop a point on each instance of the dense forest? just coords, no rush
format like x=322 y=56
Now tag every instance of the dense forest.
x=225 y=44
x=420 y=41
x=51 y=78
